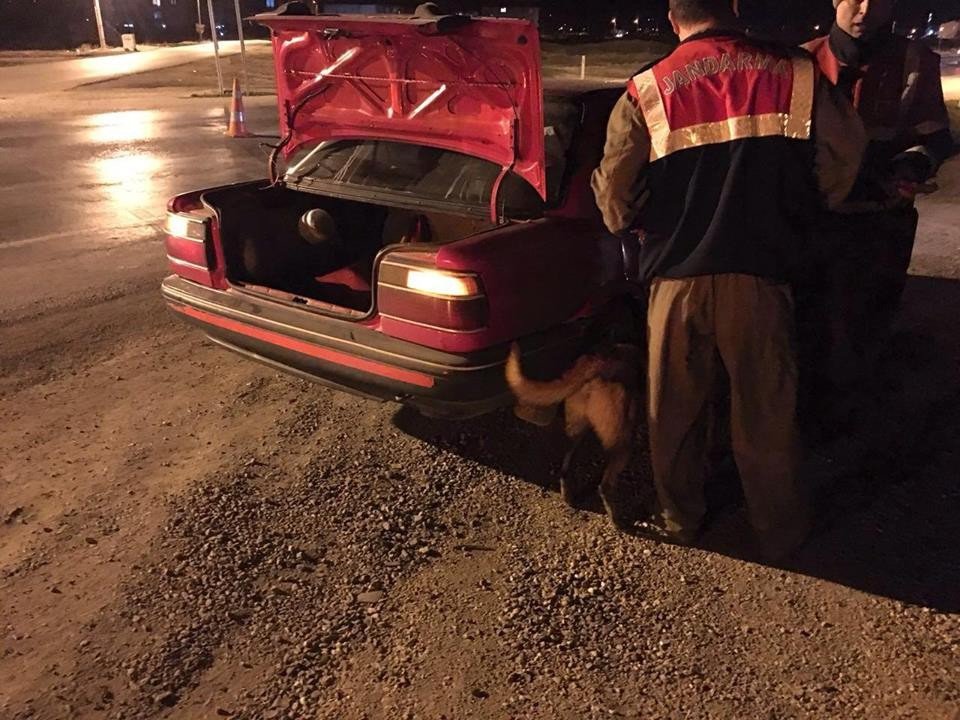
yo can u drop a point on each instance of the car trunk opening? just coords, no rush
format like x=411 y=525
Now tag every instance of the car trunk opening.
x=469 y=86
x=313 y=238
x=273 y=242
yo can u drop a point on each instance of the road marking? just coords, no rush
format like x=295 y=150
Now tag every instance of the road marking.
x=156 y=223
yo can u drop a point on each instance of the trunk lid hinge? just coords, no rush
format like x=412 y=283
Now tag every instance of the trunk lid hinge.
x=495 y=215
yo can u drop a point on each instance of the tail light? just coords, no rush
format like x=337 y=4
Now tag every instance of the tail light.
x=411 y=289
x=189 y=246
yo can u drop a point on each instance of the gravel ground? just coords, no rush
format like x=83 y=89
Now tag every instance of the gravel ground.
x=252 y=546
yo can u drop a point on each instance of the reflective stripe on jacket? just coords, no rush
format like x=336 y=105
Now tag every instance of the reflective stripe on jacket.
x=899 y=96
x=714 y=155
x=724 y=89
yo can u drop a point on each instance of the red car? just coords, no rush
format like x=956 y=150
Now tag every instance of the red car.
x=433 y=207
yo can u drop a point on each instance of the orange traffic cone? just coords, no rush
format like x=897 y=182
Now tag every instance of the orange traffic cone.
x=237 y=127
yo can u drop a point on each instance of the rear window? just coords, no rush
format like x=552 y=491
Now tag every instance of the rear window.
x=430 y=174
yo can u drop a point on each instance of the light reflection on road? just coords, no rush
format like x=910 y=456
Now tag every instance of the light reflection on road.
x=124 y=126
x=126 y=176
x=129 y=179
x=113 y=168
x=951 y=87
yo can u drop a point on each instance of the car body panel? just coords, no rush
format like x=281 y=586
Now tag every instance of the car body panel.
x=466 y=85
x=534 y=276
x=362 y=360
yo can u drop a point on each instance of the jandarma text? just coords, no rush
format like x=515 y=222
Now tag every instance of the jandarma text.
x=716 y=64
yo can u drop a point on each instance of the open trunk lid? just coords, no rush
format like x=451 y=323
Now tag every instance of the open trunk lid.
x=462 y=84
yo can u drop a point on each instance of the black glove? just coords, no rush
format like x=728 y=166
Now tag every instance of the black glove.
x=911 y=166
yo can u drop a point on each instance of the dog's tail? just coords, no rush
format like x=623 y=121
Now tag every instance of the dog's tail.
x=549 y=392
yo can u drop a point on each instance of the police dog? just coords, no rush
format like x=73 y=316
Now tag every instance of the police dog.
x=600 y=392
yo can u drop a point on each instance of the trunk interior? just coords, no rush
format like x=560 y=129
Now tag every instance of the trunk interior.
x=318 y=250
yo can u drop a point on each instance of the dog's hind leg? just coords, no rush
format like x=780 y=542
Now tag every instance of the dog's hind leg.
x=618 y=504
x=613 y=421
x=571 y=492
x=571 y=451
x=577 y=426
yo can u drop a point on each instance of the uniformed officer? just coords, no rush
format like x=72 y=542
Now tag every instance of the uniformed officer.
x=710 y=158
x=895 y=85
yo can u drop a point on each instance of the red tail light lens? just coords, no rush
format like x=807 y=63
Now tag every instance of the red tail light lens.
x=189 y=250
x=411 y=290
x=441 y=284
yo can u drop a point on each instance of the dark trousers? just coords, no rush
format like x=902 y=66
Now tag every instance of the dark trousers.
x=849 y=296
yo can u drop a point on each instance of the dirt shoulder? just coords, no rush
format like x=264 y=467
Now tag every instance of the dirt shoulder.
x=604 y=61
x=187 y=535
x=26 y=57
x=201 y=76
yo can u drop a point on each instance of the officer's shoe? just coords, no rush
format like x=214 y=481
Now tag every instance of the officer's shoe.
x=620 y=506
x=781 y=544
x=657 y=529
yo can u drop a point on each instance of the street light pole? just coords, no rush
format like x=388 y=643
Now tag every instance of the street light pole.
x=99 y=16
x=243 y=50
x=216 y=45
x=199 y=25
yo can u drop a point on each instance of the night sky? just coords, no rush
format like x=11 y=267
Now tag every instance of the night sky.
x=66 y=23
x=772 y=12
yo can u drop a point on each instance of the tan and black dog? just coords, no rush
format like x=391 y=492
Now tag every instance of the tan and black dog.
x=600 y=392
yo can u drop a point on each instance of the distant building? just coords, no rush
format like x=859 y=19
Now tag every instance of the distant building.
x=361 y=9
x=171 y=20
x=523 y=12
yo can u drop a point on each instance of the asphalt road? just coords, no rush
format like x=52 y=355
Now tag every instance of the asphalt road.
x=36 y=78
x=950 y=62
x=184 y=534
x=83 y=189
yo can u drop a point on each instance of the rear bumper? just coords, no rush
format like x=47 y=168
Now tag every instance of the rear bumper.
x=360 y=360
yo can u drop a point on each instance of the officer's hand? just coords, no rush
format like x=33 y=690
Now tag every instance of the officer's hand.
x=912 y=167
x=907 y=190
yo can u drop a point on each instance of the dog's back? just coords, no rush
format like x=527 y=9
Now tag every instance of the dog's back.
x=622 y=364
x=608 y=401
x=617 y=364
x=549 y=392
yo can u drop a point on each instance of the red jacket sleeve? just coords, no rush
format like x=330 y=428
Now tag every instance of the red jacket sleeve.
x=927 y=117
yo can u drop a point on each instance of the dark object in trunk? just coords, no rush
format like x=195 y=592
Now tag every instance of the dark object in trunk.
x=317 y=247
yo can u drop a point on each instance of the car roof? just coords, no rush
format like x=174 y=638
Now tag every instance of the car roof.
x=575 y=88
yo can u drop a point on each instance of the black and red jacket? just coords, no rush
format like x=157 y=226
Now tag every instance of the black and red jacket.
x=896 y=87
x=713 y=159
